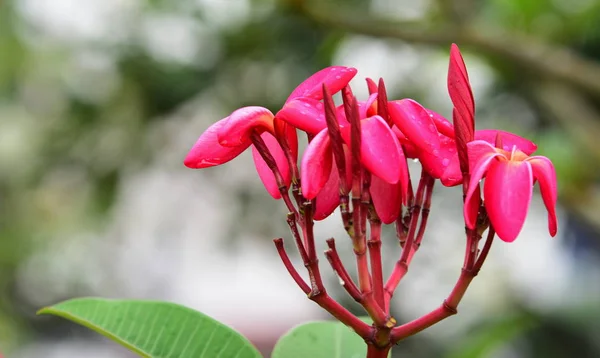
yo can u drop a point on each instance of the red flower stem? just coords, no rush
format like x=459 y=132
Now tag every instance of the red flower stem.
x=446 y=309
x=262 y=148
x=424 y=212
x=333 y=128
x=338 y=267
x=291 y=220
x=343 y=315
x=375 y=352
x=308 y=230
x=366 y=300
x=320 y=296
x=374 y=245
x=485 y=250
x=289 y=266
x=402 y=264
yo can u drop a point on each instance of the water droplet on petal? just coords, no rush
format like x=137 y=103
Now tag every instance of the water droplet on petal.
x=445 y=162
x=416 y=160
x=436 y=153
x=432 y=128
x=338 y=77
x=303 y=113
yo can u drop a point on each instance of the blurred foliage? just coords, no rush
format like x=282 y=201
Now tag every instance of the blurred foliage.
x=76 y=101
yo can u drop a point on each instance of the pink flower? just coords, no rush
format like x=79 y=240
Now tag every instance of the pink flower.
x=380 y=152
x=229 y=137
x=509 y=178
x=463 y=114
x=430 y=138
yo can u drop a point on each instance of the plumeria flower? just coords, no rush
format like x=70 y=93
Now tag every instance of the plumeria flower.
x=229 y=137
x=429 y=137
x=438 y=144
x=381 y=154
x=509 y=178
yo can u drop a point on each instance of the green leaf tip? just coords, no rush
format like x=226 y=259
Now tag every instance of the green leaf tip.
x=155 y=329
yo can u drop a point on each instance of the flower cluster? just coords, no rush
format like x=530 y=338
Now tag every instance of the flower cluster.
x=383 y=134
x=356 y=159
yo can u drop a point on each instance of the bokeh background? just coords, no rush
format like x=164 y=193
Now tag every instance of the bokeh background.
x=100 y=100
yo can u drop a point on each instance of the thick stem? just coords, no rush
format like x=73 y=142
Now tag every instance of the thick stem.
x=375 y=352
x=446 y=309
x=374 y=245
x=408 y=252
x=343 y=315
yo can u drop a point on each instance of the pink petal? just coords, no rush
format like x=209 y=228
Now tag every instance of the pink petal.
x=410 y=151
x=368 y=108
x=442 y=162
x=471 y=207
x=372 y=86
x=334 y=77
x=478 y=168
x=207 y=151
x=306 y=114
x=543 y=171
x=329 y=197
x=287 y=131
x=341 y=115
x=381 y=152
x=316 y=165
x=443 y=125
x=264 y=172
x=477 y=149
x=507 y=192
x=414 y=121
x=238 y=128
x=387 y=199
x=460 y=92
x=508 y=140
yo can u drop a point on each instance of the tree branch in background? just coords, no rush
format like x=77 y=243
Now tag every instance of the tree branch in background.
x=545 y=60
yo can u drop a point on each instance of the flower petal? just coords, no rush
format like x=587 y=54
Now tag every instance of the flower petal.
x=508 y=140
x=478 y=149
x=264 y=172
x=381 y=152
x=334 y=77
x=387 y=199
x=543 y=171
x=372 y=86
x=482 y=160
x=414 y=121
x=409 y=149
x=368 y=108
x=287 y=131
x=316 y=165
x=451 y=175
x=207 y=151
x=328 y=198
x=443 y=125
x=238 y=128
x=461 y=95
x=507 y=192
x=306 y=114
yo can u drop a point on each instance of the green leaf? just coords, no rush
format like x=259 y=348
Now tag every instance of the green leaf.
x=156 y=329
x=320 y=340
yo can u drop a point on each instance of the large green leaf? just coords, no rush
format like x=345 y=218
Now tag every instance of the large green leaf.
x=156 y=329
x=320 y=340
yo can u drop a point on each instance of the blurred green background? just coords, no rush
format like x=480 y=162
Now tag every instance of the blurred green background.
x=101 y=99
